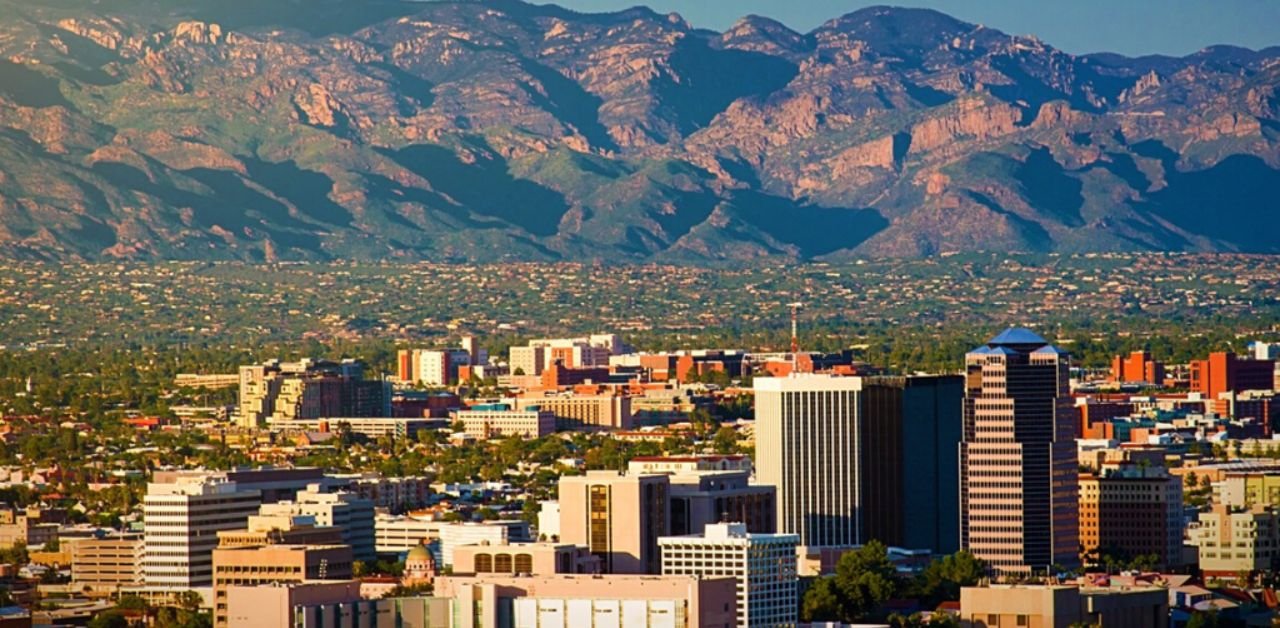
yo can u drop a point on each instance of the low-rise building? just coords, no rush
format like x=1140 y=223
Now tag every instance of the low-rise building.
x=500 y=420
x=1062 y=606
x=370 y=427
x=584 y=413
x=455 y=535
x=329 y=604
x=589 y=601
x=106 y=565
x=252 y=566
x=279 y=529
x=1244 y=489
x=536 y=559
x=399 y=534
x=1232 y=540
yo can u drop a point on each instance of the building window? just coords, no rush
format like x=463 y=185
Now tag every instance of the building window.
x=502 y=563
x=599 y=520
x=524 y=563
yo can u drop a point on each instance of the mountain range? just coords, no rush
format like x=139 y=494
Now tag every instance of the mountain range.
x=499 y=130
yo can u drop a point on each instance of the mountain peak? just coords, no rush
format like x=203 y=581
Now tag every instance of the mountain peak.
x=762 y=34
x=896 y=31
x=899 y=20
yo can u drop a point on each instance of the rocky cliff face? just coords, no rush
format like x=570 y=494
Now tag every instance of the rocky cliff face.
x=501 y=130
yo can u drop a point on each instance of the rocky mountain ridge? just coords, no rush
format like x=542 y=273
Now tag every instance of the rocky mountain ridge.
x=319 y=129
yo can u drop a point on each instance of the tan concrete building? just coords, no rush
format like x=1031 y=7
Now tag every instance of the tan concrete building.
x=1061 y=606
x=331 y=605
x=500 y=421
x=352 y=516
x=104 y=566
x=585 y=601
x=276 y=604
x=538 y=559
x=702 y=498
x=1128 y=511
x=618 y=517
x=279 y=530
x=1245 y=489
x=1019 y=496
x=541 y=353
x=1235 y=540
x=584 y=412
x=527 y=360
x=250 y=566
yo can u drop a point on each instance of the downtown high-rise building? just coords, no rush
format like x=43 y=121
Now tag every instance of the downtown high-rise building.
x=181 y=522
x=910 y=467
x=1019 y=488
x=808 y=446
x=618 y=517
x=856 y=459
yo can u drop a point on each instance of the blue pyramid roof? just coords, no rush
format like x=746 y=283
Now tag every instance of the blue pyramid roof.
x=1018 y=336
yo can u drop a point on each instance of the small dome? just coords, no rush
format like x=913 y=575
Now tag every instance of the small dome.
x=418 y=553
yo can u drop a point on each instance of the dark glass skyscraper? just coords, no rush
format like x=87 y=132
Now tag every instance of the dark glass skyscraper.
x=1019 y=493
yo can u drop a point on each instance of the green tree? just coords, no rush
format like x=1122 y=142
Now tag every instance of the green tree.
x=726 y=440
x=944 y=577
x=866 y=579
x=189 y=601
x=823 y=602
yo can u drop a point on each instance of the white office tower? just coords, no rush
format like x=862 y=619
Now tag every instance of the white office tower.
x=764 y=566
x=807 y=446
x=181 y=522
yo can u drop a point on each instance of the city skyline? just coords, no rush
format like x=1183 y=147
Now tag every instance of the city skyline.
x=692 y=314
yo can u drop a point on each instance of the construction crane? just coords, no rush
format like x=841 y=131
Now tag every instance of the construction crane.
x=795 y=335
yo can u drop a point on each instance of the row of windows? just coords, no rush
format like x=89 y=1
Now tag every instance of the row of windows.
x=504 y=563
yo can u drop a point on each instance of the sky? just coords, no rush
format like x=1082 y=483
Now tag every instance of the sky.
x=1130 y=27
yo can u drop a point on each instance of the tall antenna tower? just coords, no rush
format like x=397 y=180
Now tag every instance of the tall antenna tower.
x=795 y=334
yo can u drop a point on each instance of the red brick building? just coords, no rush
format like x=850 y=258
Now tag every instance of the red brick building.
x=1138 y=367
x=1225 y=372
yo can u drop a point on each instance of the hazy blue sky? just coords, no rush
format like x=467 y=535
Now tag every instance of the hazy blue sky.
x=1130 y=27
